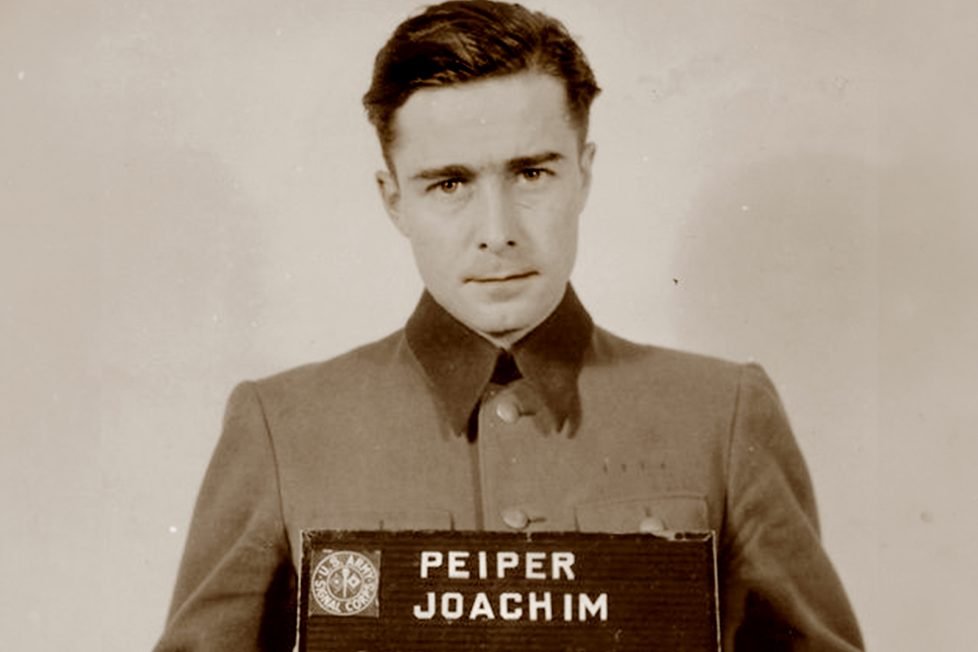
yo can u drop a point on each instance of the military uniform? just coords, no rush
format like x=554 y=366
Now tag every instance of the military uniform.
x=434 y=428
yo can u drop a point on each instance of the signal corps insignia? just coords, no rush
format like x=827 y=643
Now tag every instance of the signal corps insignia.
x=345 y=583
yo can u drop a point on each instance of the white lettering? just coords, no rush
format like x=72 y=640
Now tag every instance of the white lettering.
x=452 y=606
x=510 y=606
x=506 y=561
x=456 y=564
x=481 y=608
x=507 y=613
x=429 y=613
x=597 y=607
x=430 y=559
x=542 y=603
x=465 y=564
x=358 y=603
x=534 y=565
x=563 y=563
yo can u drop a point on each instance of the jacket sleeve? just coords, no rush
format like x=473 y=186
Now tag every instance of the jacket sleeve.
x=235 y=586
x=779 y=589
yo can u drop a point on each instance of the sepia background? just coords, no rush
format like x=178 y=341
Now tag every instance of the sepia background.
x=186 y=200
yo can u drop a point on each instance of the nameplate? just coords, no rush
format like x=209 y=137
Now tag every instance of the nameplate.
x=452 y=591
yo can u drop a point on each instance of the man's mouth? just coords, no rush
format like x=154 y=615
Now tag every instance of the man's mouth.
x=500 y=278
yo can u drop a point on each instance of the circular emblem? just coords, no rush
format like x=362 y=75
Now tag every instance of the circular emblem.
x=345 y=583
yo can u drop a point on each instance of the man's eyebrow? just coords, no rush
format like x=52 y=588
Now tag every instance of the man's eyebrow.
x=523 y=162
x=463 y=172
x=444 y=172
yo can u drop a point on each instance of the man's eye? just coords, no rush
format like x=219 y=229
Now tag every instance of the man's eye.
x=533 y=174
x=448 y=186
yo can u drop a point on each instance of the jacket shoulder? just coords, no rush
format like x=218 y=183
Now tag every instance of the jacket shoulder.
x=335 y=376
x=675 y=366
x=688 y=387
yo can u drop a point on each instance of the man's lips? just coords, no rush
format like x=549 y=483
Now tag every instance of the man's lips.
x=500 y=278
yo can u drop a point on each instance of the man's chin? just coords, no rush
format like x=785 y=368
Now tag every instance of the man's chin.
x=506 y=332
x=508 y=320
x=501 y=319
x=508 y=329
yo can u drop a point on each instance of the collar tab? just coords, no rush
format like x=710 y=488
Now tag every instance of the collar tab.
x=459 y=364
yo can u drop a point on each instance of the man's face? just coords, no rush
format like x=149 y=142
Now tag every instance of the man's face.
x=490 y=179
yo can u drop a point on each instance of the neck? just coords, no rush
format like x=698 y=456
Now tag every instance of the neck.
x=506 y=339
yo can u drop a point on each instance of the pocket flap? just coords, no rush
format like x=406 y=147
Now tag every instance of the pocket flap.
x=671 y=512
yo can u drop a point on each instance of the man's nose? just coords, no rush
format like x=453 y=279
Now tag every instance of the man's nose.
x=497 y=221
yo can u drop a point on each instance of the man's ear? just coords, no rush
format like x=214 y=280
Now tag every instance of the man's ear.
x=586 y=162
x=390 y=195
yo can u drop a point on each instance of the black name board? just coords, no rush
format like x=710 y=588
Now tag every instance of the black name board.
x=567 y=592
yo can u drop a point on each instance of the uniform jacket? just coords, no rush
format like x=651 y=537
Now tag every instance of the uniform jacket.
x=577 y=429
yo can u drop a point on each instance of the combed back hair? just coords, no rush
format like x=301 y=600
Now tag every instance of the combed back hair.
x=466 y=40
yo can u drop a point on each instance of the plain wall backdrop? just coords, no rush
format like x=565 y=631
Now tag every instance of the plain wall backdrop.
x=187 y=200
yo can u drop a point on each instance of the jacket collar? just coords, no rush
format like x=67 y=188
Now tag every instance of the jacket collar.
x=459 y=363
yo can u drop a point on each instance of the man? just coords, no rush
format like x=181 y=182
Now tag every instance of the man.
x=500 y=405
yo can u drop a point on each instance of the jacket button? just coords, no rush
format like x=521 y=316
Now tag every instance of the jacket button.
x=652 y=525
x=507 y=411
x=515 y=518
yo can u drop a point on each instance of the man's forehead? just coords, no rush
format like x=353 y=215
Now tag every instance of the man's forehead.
x=504 y=117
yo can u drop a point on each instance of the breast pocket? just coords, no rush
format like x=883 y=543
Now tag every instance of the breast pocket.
x=658 y=513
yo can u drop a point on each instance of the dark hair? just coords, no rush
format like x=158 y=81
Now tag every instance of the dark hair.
x=459 y=41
